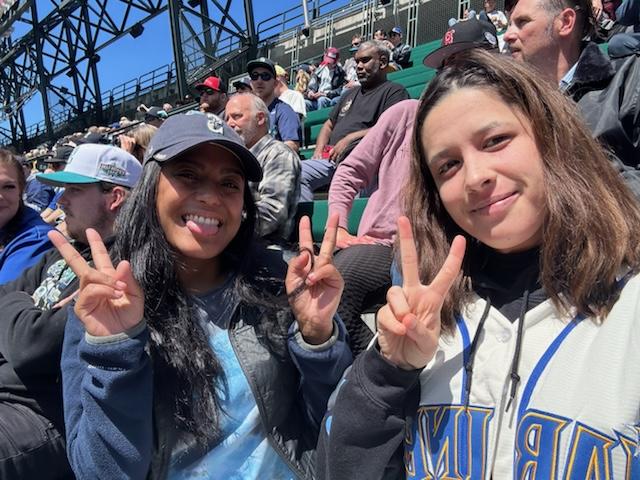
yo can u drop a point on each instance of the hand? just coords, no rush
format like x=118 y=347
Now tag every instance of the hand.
x=127 y=143
x=314 y=285
x=345 y=239
x=204 y=107
x=409 y=324
x=110 y=300
x=596 y=5
x=339 y=148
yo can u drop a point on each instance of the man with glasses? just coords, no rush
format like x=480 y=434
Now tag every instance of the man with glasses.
x=549 y=35
x=213 y=96
x=284 y=122
x=97 y=180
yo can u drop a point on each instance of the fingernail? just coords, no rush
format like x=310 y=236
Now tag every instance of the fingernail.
x=120 y=285
x=118 y=293
x=411 y=321
x=311 y=277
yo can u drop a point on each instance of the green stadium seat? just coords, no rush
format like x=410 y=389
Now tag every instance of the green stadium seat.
x=318 y=211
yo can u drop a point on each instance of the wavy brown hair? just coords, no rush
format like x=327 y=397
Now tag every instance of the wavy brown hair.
x=591 y=224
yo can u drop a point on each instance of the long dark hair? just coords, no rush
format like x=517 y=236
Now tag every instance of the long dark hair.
x=591 y=226
x=10 y=229
x=188 y=376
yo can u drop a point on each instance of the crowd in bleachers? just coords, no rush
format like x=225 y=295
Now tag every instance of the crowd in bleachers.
x=150 y=327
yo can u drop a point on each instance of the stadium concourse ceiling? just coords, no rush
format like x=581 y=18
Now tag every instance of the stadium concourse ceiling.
x=66 y=40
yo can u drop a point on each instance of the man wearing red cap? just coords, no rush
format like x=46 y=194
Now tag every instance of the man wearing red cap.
x=326 y=82
x=213 y=96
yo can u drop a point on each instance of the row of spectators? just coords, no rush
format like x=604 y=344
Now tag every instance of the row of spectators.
x=155 y=389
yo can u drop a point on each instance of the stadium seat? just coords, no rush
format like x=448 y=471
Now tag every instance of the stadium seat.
x=318 y=212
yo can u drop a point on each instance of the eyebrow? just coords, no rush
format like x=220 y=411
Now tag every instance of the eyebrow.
x=481 y=131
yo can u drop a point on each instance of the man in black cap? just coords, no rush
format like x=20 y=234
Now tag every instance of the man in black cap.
x=155 y=116
x=401 y=54
x=243 y=85
x=463 y=36
x=284 y=122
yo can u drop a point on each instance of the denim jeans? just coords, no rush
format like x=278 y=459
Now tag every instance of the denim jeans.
x=320 y=103
x=315 y=173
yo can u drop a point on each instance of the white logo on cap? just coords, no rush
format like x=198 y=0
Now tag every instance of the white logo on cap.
x=491 y=38
x=215 y=124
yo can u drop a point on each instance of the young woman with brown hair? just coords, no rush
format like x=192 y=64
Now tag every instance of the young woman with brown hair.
x=511 y=348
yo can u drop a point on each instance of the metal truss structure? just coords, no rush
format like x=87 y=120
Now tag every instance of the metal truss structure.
x=57 y=59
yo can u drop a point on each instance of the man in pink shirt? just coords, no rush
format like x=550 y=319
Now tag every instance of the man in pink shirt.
x=364 y=260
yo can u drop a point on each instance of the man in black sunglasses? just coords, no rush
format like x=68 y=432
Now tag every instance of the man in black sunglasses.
x=284 y=122
x=213 y=96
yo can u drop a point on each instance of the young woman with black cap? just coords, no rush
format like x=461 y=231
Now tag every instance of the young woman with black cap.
x=182 y=356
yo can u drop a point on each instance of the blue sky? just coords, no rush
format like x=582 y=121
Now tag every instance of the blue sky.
x=129 y=58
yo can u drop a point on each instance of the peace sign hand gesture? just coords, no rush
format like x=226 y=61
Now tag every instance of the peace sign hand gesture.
x=110 y=300
x=313 y=283
x=409 y=324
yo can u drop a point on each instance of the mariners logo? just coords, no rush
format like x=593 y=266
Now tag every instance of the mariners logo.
x=214 y=123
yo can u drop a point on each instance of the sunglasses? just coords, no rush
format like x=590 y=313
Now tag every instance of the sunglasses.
x=264 y=76
x=208 y=91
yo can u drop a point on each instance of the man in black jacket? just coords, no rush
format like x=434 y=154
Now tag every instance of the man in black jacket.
x=549 y=34
x=97 y=181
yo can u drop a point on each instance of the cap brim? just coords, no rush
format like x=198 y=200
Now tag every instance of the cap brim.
x=58 y=179
x=436 y=58
x=250 y=165
x=252 y=65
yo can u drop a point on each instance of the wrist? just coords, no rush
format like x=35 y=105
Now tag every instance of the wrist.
x=316 y=334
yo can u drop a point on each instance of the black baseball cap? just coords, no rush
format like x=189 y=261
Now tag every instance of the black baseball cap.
x=462 y=36
x=262 y=62
x=183 y=132
x=61 y=154
x=156 y=112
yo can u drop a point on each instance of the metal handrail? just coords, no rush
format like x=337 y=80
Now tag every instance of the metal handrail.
x=283 y=25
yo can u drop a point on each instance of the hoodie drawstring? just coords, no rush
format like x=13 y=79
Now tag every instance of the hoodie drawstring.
x=468 y=364
x=515 y=378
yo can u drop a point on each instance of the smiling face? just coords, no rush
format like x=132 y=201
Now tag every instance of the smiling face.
x=10 y=193
x=199 y=202
x=488 y=169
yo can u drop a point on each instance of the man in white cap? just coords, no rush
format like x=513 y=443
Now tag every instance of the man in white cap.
x=97 y=180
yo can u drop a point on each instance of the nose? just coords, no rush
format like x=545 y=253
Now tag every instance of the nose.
x=478 y=175
x=510 y=35
x=209 y=192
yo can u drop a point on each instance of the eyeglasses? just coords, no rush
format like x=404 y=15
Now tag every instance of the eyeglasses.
x=264 y=76
x=355 y=45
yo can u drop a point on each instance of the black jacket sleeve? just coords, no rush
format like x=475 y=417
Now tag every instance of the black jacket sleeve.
x=362 y=433
x=31 y=338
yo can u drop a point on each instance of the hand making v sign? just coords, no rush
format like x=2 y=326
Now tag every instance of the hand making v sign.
x=409 y=324
x=110 y=300
x=313 y=283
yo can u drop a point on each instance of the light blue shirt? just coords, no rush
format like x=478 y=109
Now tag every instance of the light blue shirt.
x=244 y=452
x=568 y=78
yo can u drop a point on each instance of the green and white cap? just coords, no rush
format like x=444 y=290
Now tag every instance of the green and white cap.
x=93 y=163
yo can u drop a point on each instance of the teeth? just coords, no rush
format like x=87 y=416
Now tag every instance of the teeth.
x=202 y=220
